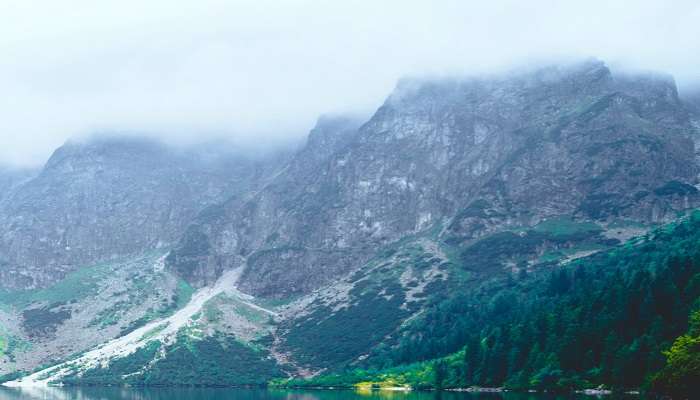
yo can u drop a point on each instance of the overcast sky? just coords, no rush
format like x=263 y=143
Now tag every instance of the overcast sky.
x=264 y=70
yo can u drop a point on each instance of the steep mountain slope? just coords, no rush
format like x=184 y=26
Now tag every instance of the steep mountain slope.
x=692 y=100
x=156 y=339
x=133 y=313
x=455 y=197
x=466 y=157
x=111 y=197
x=214 y=242
x=601 y=320
x=11 y=177
x=414 y=276
x=84 y=309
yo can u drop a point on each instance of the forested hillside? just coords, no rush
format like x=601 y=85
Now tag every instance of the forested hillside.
x=508 y=230
x=607 y=319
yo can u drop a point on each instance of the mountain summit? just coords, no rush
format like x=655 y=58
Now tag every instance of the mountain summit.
x=462 y=157
x=378 y=243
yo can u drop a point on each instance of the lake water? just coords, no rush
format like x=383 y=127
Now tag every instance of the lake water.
x=99 y=393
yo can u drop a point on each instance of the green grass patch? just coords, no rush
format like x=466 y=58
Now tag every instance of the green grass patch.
x=566 y=226
x=274 y=303
x=250 y=313
x=76 y=285
x=211 y=310
x=624 y=223
x=11 y=345
x=3 y=346
x=183 y=293
x=551 y=256
x=153 y=332
x=583 y=247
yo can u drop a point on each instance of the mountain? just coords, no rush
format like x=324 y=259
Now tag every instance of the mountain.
x=465 y=157
x=389 y=244
x=692 y=101
x=11 y=177
x=220 y=236
x=111 y=197
x=604 y=320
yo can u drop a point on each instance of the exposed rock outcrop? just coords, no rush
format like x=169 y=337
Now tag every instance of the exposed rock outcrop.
x=111 y=197
x=466 y=157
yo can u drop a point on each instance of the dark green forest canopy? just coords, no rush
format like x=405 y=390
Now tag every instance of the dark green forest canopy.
x=606 y=319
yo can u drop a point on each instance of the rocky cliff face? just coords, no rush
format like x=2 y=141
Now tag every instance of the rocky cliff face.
x=465 y=158
x=11 y=177
x=367 y=226
x=216 y=242
x=107 y=198
x=692 y=100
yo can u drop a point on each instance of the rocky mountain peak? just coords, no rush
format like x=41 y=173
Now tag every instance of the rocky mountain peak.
x=106 y=198
x=454 y=186
x=578 y=140
x=77 y=155
x=330 y=134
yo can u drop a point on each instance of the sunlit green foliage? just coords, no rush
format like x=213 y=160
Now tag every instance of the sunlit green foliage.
x=681 y=375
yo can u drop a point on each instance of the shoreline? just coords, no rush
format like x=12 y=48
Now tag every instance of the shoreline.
x=474 y=389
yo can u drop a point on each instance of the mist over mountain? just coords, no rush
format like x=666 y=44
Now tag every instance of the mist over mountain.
x=109 y=197
x=465 y=157
x=382 y=196
x=472 y=201
x=261 y=71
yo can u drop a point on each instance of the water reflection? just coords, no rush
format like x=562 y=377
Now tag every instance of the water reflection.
x=101 y=393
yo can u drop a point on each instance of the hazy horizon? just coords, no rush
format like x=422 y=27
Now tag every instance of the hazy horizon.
x=264 y=71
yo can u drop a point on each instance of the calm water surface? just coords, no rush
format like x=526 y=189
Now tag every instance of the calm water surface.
x=260 y=394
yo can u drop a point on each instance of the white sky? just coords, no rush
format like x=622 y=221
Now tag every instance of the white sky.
x=261 y=70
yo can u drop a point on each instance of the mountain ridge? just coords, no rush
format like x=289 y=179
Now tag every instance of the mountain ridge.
x=108 y=197
x=451 y=189
x=352 y=201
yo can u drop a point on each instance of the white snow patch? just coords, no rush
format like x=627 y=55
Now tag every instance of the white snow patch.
x=424 y=220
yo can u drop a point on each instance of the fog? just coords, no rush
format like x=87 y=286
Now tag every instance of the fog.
x=262 y=71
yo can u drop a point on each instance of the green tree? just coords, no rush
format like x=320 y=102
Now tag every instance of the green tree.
x=681 y=375
x=440 y=369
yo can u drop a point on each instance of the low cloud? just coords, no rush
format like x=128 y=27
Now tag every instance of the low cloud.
x=262 y=71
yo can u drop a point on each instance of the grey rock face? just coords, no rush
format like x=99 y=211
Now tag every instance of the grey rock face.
x=107 y=198
x=692 y=100
x=466 y=157
x=603 y=156
x=214 y=242
x=369 y=220
x=11 y=177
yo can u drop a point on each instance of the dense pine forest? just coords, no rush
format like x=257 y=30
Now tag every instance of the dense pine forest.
x=618 y=318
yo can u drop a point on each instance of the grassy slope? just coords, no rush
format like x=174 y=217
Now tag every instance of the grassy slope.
x=86 y=299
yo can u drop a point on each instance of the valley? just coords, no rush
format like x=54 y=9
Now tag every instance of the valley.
x=471 y=232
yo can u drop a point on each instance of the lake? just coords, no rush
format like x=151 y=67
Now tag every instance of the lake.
x=102 y=393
